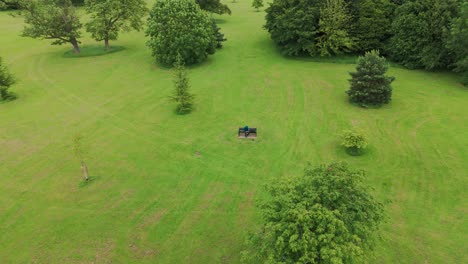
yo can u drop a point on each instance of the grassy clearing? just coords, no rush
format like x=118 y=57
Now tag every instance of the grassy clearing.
x=181 y=189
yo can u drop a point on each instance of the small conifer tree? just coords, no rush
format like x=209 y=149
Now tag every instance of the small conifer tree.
x=182 y=96
x=369 y=84
x=6 y=80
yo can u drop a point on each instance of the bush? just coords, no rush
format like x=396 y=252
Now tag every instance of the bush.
x=354 y=141
x=369 y=84
x=180 y=27
x=326 y=215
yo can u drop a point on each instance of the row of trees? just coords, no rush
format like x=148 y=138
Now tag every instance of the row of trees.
x=176 y=27
x=58 y=20
x=430 y=34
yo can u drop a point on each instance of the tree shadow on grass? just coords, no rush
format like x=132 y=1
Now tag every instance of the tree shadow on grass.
x=92 y=51
x=219 y=21
x=90 y=181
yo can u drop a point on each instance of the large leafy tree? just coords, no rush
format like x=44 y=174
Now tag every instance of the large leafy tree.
x=180 y=27
x=292 y=25
x=52 y=19
x=369 y=84
x=372 y=25
x=334 y=25
x=6 y=80
x=109 y=17
x=421 y=30
x=326 y=215
x=214 y=6
x=458 y=42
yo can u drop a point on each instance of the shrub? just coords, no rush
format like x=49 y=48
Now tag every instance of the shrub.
x=257 y=4
x=369 y=84
x=180 y=27
x=354 y=141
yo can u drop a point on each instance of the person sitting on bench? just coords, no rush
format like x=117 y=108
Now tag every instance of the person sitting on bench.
x=246 y=131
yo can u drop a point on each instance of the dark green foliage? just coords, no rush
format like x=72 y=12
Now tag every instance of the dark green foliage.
x=334 y=24
x=293 y=25
x=214 y=6
x=9 y=4
x=326 y=215
x=52 y=19
x=6 y=80
x=257 y=4
x=180 y=27
x=218 y=35
x=458 y=42
x=369 y=84
x=78 y=2
x=182 y=96
x=421 y=29
x=109 y=17
x=373 y=23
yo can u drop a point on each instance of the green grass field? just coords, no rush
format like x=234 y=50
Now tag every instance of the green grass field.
x=182 y=189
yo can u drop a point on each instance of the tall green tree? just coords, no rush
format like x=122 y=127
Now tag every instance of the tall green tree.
x=214 y=6
x=421 y=31
x=326 y=215
x=182 y=96
x=109 y=17
x=372 y=25
x=334 y=25
x=292 y=25
x=6 y=80
x=52 y=19
x=458 y=42
x=180 y=27
x=369 y=84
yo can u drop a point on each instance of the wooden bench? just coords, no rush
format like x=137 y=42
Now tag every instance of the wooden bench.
x=252 y=133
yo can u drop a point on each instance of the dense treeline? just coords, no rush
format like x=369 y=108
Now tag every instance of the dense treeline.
x=428 y=34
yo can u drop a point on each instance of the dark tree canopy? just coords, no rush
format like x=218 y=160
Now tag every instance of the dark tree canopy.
x=458 y=42
x=109 y=17
x=9 y=4
x=292 y=25
x=369 y=84
x=180 y=27
x=52 y=19
x=326 y=215
x=214 y=6
x=372 y=25
x=421 y=30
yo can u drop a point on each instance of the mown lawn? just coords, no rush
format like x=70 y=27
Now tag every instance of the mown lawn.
x=182 y=189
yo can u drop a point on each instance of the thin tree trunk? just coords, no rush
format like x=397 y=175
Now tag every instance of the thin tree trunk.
x=84 y=170
x=106 y=43
x=74 y=42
